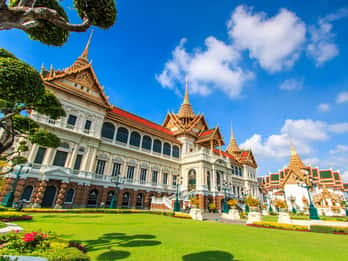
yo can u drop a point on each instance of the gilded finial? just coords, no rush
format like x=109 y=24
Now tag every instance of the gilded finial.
x=85 y=51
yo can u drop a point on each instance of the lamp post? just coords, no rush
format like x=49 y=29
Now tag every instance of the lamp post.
x=8 y=199
x=117 y=181
x=225 y=187
x=313 y=212
x=177 y=203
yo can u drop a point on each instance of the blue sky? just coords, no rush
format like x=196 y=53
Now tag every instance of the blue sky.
x=274 y=69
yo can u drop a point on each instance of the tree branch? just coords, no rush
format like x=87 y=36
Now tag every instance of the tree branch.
x=24 y=18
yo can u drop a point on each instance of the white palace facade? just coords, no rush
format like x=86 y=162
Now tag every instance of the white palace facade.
x=100 y=141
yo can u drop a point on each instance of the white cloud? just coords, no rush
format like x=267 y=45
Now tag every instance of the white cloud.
x=303 y=132
x=322 y=47
x=341 y=127
x=275 y=42
x=311 y=161
x=342 y=97
x=323 y=107
x=215 y=67
x=291 y=85
x=339 y=149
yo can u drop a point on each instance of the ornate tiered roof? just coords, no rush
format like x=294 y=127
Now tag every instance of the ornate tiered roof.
x=185 y=111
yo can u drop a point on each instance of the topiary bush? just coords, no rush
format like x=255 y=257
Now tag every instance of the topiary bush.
x=102 y=13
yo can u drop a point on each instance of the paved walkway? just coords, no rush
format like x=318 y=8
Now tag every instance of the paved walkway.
x=217 y=217
x=10 y=227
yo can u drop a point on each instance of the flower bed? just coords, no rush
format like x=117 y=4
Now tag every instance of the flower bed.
x=40 y=244
x=14 y=216
x=276 y=225
x=182 y=215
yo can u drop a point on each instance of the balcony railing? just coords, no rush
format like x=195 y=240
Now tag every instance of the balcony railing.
x=40 y=169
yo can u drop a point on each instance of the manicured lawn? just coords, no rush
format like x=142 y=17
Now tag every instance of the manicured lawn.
x=159 y=238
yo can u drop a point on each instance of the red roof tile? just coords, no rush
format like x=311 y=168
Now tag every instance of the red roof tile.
x=226 y=154
x=204 y=133
x=141 y=120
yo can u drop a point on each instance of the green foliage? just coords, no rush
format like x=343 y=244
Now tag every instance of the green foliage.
x=268 y=224
x=102 y=13
x=6 y=54
x=24 y=125
x=45 y=138
x=48 y=104
x=16 y=160
x=68 y=254
x=2 y=225
x=19 y=82
x=328 y=229
x=47 y=32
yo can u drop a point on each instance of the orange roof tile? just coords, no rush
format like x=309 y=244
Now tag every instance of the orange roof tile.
x=140 y=120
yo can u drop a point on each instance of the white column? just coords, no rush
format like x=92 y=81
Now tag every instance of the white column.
x=33 y=152
x=48 y=159
x=92 y=160
x=71 y=161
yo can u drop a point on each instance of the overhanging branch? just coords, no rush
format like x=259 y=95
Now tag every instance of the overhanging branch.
x=24 y=18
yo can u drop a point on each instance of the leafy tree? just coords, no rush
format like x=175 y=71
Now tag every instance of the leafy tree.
x=22 y=90
x=47 y=22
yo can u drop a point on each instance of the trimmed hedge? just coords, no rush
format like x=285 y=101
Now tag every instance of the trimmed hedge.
x=329 y=229
x=276 y=225
x=2 y=225
x=14 y=216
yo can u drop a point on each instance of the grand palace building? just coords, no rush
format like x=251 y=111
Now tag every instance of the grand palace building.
x=100 y=141
x=326 y=187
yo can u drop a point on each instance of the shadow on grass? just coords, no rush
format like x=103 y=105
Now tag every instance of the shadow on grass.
x=113 y=255
x=209 y=256
x=71 y=216
x=110 y=240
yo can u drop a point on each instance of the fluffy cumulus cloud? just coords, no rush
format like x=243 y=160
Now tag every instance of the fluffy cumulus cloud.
x=342 y=97
x=291 y=85
x=214 y=67
x=322 y=46
x=323 y=107
x=303 y=133
x=275 y=42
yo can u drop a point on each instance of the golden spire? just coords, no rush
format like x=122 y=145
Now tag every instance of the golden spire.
x=84 y=54
x=82 y=60
x=185 y=110
x=232 y=146
x=295 y=160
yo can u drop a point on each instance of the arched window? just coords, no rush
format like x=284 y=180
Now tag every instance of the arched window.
x=92 y=198
x=192 y=180
x=108 y=130
x=175 y=151
x=122 y=135
x=135 y=139
x=166 y=149
x=157 y=146
x=125 y=200
x=139 y=201
x=109 y=198
x=69 y=196
x=27 y=193
x=147 y=141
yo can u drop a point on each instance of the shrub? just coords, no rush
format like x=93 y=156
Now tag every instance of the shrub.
x=67 y=254
x=267 y=224
x=329 y=229
x=252 y=202
x=7 y=216
x=212 y=206
x=279 y=203
x=182 y=215
x=2 y=224
x=232 y=202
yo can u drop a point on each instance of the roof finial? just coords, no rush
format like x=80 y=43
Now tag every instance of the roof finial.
x=186 y=97
x=85 y=51
x=231 y=131
x=292 y=148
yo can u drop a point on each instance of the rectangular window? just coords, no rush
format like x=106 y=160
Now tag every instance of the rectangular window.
x=116 y=168
x=88 y=124
x=154 y=176
x=130 y=172
x=165 y=178
x=174 y=180
x=78 y=161
x=143 y=173
x=60 y=158
x=100 y=167
x=71 y=120
x=40 y=155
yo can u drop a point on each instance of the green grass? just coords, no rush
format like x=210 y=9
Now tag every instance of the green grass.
x=160 y=238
